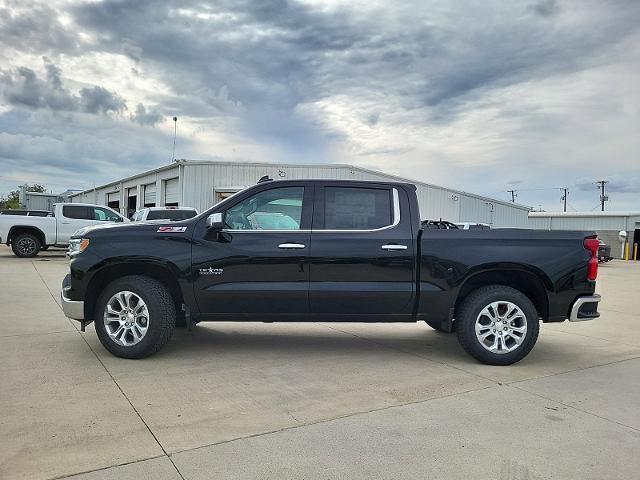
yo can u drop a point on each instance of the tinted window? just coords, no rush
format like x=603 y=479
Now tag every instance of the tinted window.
x=78 y=211
x=173 y=215
x=350 y=208
x=104 y=215
x=274 y=209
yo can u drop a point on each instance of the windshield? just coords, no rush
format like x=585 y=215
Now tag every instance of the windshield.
x=173 y=215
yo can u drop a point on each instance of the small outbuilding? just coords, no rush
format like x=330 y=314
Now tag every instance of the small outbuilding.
x=607 y=224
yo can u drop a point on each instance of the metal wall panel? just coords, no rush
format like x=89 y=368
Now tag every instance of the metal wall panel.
x=198 y=182
x=38 y=202
x=202 y=180
x=584 y=222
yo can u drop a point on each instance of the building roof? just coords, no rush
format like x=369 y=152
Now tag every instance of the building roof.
x=314 y=165
x=42 y=194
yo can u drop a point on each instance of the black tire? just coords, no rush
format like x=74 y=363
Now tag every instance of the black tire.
x=437 y=327
x=470 y=309
x=25 y=245
x=161 y=321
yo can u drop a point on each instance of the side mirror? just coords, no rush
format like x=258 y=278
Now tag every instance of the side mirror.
x=215 y=221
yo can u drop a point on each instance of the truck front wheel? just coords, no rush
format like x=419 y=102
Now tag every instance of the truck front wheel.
x=135 y=316
x=25 y=245
x=497 y=325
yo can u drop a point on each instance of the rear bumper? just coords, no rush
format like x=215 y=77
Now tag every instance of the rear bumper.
x=72 y=308
x=585 y=308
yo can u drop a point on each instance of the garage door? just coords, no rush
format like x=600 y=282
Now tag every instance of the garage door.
x=113 y=200
x=150 y=195
x=113 y=197
x=171 y=192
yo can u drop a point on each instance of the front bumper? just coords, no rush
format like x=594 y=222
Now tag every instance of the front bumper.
x=585 y=308
x=72 y=308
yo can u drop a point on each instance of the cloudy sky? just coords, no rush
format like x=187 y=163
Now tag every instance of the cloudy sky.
x=484 y=96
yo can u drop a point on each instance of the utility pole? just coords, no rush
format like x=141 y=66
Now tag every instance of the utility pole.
x=603 y=197
x=513 y=195
x=564 y=198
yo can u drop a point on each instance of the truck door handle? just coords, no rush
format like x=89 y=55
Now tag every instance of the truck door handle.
x=290 y=246
x=394 y=246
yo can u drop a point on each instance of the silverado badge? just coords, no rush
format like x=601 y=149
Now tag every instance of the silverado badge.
x=211 y=271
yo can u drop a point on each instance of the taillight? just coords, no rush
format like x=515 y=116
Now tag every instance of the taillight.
x=592 y=245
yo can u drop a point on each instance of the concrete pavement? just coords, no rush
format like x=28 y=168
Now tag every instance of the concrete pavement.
x=250 y=400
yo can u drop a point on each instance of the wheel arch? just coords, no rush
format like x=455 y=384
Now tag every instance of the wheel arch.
x=16 y=230
x=107 y=274
x=535 y=285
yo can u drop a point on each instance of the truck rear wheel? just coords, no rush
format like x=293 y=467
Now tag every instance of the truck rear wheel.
x=135 y=316
x=497 y=325
x=25 y=245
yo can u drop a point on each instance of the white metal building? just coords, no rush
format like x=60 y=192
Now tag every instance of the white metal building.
x=201 y=184
x=607 y=224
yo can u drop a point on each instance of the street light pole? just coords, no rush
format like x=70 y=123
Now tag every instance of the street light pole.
x=175 y=131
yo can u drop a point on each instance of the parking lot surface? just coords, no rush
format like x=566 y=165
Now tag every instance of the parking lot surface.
x=313 y=400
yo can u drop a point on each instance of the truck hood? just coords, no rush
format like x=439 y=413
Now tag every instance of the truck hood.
x=124 y=228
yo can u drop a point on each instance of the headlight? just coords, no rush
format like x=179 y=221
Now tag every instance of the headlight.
x=77 y=245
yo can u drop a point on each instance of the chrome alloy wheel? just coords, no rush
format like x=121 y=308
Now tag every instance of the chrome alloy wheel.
x=26 y=246
x=501 y=327
x=126 y=318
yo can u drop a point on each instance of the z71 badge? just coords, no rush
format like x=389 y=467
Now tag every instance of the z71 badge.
x=211 y=271
x=172 y=229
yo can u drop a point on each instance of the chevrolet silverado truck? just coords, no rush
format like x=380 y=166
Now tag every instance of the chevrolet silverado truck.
x=28 y=234
x=340 y=251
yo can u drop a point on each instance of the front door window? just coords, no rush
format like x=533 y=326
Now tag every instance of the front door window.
x=274 y=209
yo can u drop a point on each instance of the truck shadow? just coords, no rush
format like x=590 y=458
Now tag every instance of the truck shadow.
x=293 y=339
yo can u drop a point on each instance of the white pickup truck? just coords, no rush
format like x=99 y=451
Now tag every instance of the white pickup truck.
x=27 y=235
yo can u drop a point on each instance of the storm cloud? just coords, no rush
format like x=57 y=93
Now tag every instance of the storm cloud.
x=466 y=94
x=23 y=88
x=145 y=116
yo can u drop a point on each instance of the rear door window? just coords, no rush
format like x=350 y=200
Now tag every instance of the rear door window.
x=355 y=208
x=79 y=212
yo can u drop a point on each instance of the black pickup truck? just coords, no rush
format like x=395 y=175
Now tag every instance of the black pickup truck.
x=323 y=250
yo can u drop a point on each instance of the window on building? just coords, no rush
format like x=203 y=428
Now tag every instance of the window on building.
x=223 y=194
x=354 y=208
